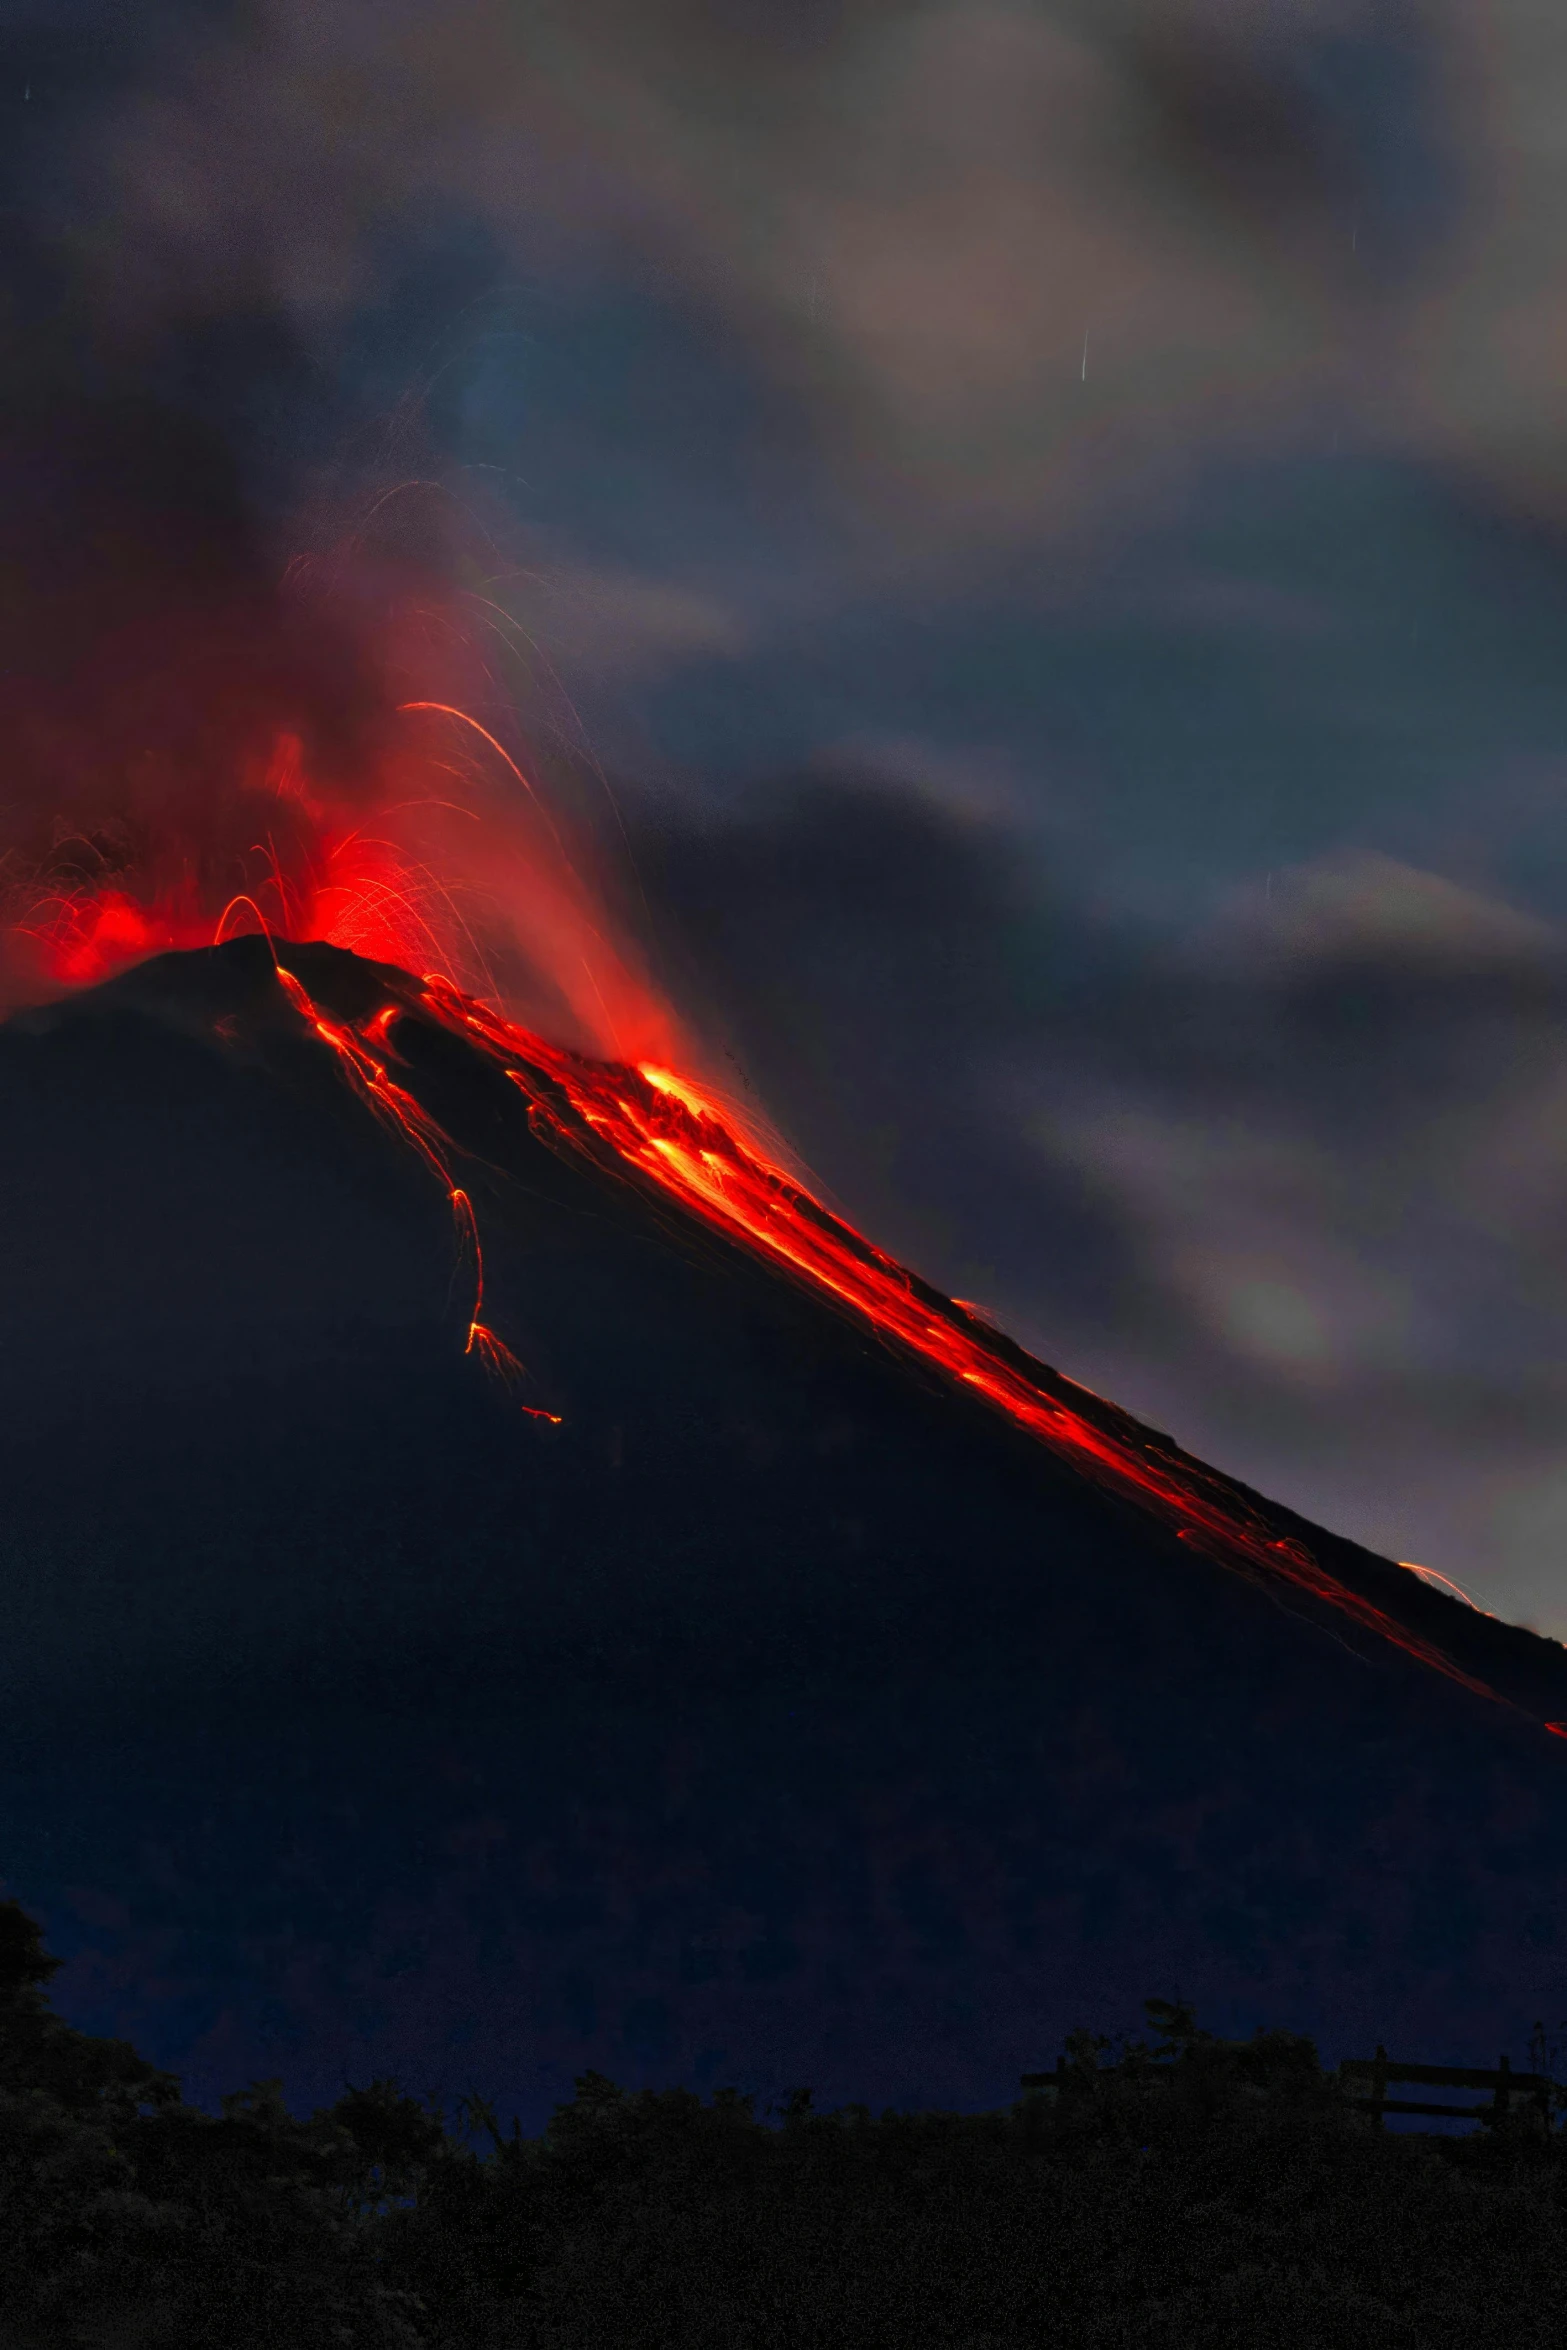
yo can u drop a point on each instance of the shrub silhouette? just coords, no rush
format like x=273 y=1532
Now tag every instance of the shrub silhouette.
x=1180 y=2189
x=126 y=2216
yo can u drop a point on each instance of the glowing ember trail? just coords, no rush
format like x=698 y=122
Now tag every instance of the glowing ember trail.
x=399 y=1110
x=652 y=1126
x=1441 y=1582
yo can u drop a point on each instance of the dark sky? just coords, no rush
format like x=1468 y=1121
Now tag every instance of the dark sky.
x=1051 y=521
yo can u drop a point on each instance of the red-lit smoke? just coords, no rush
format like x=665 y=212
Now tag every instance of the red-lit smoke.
x=445 y=854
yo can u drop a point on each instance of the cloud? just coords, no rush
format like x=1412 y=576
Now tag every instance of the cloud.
x=1004 y=252
x=1008 y=255
x=1481 y=356
x=1358 y=905
x=615 y=626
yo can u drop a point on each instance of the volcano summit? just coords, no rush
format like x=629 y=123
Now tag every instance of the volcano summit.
x=652 y=1630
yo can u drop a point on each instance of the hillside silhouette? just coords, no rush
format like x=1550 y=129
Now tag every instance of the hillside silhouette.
x=782 y=1714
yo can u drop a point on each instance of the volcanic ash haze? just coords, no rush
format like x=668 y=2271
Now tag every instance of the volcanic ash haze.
x=500 y=1582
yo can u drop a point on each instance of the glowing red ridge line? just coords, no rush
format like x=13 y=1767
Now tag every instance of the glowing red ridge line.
x=734 y=1189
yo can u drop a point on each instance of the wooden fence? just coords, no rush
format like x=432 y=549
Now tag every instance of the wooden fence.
x=1377 y=2071
x=1504 y=2085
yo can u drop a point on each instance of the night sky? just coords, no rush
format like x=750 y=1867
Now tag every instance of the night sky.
x=1043 y=524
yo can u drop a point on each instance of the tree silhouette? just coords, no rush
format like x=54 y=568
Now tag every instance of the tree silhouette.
x=1179 y=2188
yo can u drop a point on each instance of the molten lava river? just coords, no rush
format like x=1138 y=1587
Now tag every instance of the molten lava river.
x=662 y=1130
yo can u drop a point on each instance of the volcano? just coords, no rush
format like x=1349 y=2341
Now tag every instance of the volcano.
x=499 y=1580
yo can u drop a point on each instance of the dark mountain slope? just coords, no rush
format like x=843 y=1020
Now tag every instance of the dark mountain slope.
x=784 y=1714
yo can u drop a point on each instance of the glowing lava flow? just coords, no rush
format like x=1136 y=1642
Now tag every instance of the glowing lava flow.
x=397 y=1108
x=653 y=1125
x=647 y=1124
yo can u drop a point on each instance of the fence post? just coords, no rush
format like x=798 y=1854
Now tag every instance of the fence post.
x=1378 y=2086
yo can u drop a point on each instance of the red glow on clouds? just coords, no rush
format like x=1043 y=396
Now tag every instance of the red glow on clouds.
x=86 y=942
x=446 y=856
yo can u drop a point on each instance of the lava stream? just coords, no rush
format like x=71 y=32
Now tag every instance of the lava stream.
x=662 y=1128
